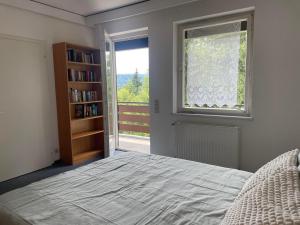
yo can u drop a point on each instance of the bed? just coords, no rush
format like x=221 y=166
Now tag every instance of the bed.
x=132 y=188
x=129 y=188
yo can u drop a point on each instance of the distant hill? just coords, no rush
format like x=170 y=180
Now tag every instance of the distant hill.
x=123 y=79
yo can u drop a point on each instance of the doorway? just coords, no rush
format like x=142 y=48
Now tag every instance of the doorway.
x=129 y=80
x=132 y=73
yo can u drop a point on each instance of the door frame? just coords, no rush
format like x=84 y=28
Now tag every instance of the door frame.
x=126 y=36
x=113 y=38
x=103 y=38
x=114 y=89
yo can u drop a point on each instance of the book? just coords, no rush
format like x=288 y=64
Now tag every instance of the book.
x=71 y=53
x=86 y=76
x=82 y=96
x=83 y=111
x=80 y=56
x=79 y=111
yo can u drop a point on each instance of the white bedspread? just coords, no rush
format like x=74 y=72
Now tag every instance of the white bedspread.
x=127 y=189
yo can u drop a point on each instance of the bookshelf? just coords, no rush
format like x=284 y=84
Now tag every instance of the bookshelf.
x=79 y=102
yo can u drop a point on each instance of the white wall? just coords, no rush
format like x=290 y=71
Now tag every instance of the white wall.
x=24 y=24
x=276 y=106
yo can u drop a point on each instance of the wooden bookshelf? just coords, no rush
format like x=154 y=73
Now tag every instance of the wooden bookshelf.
x=87 y=118
x=78 y=158
x=82 y=64
x=84 y=103
x=86 y=134
x=83 y=82
x=79 y=102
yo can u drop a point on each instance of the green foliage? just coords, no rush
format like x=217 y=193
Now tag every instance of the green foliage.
x=135 y=84
x=135 y=90
x=242 y=69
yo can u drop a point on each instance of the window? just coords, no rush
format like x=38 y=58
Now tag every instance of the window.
x=214 y=66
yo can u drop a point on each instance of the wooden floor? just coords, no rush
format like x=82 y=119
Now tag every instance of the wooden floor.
x=134 y=143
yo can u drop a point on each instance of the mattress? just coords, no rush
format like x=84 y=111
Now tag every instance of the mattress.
x=127 y=189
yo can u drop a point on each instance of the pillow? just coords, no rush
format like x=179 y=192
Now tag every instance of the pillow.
x=271 y=196
x=275 y=200
x=285 y=160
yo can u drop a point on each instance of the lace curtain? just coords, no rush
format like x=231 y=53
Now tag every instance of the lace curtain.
x=212 y=58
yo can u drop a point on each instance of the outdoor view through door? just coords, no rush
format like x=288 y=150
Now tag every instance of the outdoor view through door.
x=132 y=68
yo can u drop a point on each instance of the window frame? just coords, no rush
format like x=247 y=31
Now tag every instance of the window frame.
x=179 y=72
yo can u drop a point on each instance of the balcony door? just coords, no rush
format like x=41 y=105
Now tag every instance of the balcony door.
x=127 y=91
x=127 y=79
x=111 y=96
x=132 y=88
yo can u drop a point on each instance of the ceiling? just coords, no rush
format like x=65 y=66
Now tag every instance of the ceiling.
x=87 y=7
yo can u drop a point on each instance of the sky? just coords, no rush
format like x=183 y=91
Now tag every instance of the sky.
x=129 y=60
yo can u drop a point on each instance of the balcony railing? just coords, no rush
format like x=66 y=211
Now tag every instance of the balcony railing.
x=134 y=118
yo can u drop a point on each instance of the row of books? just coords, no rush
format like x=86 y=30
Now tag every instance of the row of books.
x=82 y=111
x=79 y=56
x=83 y=96
x=74 y=75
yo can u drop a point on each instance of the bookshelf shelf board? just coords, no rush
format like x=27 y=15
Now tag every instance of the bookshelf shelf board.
x=83 y=103
x=75 y=46
x=84 y=82
x=87 y=118
x=83 y=64
x=86 y=134
x=86 y=155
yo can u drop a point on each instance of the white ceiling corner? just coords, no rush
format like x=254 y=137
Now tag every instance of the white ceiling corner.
x=87 y=7
x=70 y=10
x=44 y=10
x=91 y=12
x=137 y=9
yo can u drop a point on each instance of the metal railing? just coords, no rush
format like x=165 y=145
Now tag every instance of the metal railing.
x=133 y=118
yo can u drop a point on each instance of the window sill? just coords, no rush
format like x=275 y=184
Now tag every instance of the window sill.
x=212 y=116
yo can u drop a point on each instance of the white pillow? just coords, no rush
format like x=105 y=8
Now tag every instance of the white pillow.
x=282 y=161
x=275 y=201
x=272 y=195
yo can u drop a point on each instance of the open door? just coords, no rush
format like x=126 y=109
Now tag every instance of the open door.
x=111 y=95
x=132 y=74
x=128 y=119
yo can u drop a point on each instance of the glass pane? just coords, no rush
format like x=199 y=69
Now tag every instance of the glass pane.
x=111 y=100
x=132 y=67
x=215 y=67
x=109 y=78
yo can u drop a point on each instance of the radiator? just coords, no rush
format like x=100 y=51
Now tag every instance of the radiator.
x=217 y=145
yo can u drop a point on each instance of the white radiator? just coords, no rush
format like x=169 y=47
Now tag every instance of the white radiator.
x=217 y=145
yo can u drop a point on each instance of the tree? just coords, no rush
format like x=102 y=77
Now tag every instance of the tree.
x=135 y=84
x=136 y=90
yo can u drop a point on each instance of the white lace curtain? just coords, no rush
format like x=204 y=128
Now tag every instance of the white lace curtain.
x=212 y=57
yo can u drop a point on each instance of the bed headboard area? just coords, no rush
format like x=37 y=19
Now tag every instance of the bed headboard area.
x=217 y=145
